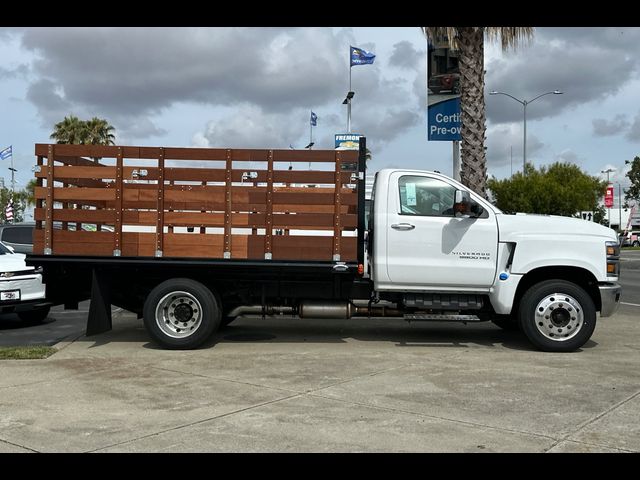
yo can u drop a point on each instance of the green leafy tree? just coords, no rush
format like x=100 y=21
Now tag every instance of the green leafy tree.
x=560 y=189
x=72 y=130
x=632 y=195
x=469 y=41
x=98 y=132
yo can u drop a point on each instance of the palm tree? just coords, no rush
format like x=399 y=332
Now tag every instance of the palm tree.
x=70 y=130
x=98 y=132
x=469 y=41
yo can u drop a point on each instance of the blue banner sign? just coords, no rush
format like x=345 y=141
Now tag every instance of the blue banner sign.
x=444 y=122
x=347 y=141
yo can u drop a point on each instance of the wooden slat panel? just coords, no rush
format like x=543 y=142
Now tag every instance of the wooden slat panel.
x=287 y=247
x=134 y=217
x=195 y=219
x=313 y=220
x=172 y=153
x=77 y=215
x=76 y=160
x=72 y=193
x=327 y=156
x=63 y=172
x=198 y=174
x=96 y=171
x=311 y=176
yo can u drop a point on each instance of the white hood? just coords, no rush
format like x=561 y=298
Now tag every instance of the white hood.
x=514 y=227
x=550 y=240
x=13 y=262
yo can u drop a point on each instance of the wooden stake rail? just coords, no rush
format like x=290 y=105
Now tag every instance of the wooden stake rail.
x=150 y=201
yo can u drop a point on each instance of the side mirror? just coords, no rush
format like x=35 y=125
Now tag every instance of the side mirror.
x=464 y=206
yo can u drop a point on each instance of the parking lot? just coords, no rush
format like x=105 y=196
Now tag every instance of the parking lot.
x=290 y=385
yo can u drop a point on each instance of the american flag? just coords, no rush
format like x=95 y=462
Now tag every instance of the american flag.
x=8 y=212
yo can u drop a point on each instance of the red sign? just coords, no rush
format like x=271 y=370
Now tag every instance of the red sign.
x=608 y=198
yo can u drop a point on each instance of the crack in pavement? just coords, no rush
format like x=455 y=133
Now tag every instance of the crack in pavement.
x=590 y=421
x=18 y=445
x=216 y=417
x=251 y=407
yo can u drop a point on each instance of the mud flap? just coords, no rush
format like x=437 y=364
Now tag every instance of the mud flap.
x=99 y=320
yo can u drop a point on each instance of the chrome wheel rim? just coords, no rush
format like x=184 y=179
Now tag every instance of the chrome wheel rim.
x=179 y=314
x=559 y=317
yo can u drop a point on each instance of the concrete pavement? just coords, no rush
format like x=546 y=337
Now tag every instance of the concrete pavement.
x=290 y=385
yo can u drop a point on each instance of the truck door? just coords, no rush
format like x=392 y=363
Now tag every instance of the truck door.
x=427 y=246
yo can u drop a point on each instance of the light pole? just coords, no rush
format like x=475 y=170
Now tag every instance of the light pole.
x=619 y=207
x=524 y=104
x=608 y=171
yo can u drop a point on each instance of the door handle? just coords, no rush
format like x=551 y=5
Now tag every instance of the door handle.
x=403 y=226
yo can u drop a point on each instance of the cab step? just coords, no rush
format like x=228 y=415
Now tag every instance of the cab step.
x=410 y=317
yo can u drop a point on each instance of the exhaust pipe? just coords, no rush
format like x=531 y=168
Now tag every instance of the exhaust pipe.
x=319 y=309
x=338 y=310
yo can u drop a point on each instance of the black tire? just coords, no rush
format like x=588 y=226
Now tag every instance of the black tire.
x=506 y=323
x=184 y=320
x=557 y=316
x=37 y=315
x=636 y=243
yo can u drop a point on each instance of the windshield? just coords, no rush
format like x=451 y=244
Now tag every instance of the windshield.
x=4 y=250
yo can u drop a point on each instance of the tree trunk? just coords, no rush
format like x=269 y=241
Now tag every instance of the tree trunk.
x=471 y=61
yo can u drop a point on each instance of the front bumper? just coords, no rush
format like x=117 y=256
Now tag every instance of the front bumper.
x=610 y=298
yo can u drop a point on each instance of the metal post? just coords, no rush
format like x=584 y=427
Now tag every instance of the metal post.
x=349 y=102
x=13 y=180
x=524 y=143
x=619 y=207
x=456 y=160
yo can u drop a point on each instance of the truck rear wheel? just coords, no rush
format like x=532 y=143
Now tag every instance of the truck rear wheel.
x=557 y=316
x=181 y=314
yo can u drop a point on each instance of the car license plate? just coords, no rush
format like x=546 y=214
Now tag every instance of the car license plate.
x=10 y=295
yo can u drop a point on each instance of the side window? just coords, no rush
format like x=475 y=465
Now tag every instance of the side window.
x=23 y=235
x=425 y=196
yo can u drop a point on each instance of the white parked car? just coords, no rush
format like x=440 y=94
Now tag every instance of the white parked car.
x=21 y=287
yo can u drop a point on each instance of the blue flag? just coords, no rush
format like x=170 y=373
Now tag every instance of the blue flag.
x=6 y=153
x=361 y=57
x=314 y=119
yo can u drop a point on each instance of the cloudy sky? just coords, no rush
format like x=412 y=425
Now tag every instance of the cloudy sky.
x=255 y=87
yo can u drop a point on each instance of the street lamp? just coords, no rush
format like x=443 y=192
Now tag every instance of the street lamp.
x=524 y=103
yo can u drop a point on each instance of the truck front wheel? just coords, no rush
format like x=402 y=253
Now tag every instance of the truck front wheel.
x=557 y=316
x=180 y=314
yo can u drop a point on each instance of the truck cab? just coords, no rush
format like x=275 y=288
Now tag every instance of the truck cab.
x=427 y=248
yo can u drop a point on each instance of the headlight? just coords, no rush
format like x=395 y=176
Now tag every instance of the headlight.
x=613 y=259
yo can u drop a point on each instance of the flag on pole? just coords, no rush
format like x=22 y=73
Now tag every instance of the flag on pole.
x=314 y=119
x=361 y=57
x=8 y=212
x=6 y=153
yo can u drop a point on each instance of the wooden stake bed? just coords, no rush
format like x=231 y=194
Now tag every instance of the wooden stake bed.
x=197 y=203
